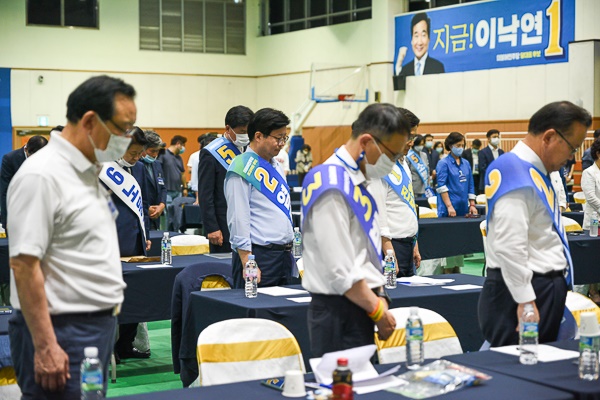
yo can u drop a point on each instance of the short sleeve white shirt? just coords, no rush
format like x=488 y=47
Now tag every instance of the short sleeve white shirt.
x=193 y=163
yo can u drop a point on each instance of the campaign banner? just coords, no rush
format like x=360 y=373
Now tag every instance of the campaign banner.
x=487 y=35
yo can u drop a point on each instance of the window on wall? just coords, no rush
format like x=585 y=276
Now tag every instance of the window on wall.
x=280 y=16
x=67 y=13
x=197 y=26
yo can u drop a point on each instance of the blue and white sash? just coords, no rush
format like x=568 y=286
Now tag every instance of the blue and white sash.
x=126 y=187
x=415 y=159
x=266 y=179
x=400 y=182
x=327 y=177
x=223 y=150
x=509 y=173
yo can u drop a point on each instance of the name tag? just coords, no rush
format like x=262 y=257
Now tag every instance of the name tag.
x=160 y=181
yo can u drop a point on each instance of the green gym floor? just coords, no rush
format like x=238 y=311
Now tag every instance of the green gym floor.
x=156 y=373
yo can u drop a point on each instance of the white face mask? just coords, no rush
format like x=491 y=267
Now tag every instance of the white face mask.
x=241 y=139
x=381 y=168
x=124 y=163
x=429 y=144
x=495 y=141
x=116 y=147
x=418 y=149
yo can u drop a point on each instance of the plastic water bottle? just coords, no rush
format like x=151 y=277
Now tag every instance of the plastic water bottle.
x=528 y=336
x=297 y=243
x=414 y=340
x=251 y=277
x=594 y=225
x=389 y=270
x=166 y=256
x=92 y=381
x=589 y=345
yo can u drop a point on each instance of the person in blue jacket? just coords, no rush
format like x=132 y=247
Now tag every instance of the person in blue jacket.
x=456 y=190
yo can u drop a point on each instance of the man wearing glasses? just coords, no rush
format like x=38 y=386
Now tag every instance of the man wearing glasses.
x=258 y=203
x=528 y=257
x=63 y=246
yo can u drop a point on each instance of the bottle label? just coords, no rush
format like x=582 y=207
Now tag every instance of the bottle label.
x=415 y=333
x=530 y=329
x=389 y=266
x=588 y=342
x=91 y=381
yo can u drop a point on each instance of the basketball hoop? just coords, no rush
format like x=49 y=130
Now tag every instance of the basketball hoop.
x=346 y=100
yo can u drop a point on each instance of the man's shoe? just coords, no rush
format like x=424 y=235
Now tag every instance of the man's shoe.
x=134 y=353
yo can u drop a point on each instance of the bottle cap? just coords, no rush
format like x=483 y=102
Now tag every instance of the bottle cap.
x=90 y=352
x=528 y=307
x=589 y=324
x=390 y=252
x=296 y=229
x=251 y=257
x=414 y=310
x=342 y=362
x=166 y=235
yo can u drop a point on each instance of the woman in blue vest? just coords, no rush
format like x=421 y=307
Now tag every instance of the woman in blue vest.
x=419 y=166
x=456 y=190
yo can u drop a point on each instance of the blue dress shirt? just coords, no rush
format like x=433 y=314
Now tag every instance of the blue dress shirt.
x=457 y=180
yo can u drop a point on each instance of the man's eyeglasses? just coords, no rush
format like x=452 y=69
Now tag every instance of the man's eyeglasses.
x=122 y=131
x=573 y=149
x=281 y=139
x=396 y=156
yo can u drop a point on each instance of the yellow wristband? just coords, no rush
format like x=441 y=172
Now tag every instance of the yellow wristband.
x=377 y=314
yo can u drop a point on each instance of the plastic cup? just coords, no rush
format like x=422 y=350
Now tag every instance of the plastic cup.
x=588 y=325
x=293 y=385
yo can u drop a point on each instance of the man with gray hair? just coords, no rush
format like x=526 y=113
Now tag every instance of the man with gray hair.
x=155 y=183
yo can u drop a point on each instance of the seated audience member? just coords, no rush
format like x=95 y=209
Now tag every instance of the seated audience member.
x=155 y=181
x=126 y=179
x=11 y=162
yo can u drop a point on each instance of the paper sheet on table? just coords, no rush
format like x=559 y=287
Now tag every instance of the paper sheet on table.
x=300 y=299
x=280 y=291
x=462 y=287
x=149 y=266
x=545 y=353
x=422 y=281
x=220 y=256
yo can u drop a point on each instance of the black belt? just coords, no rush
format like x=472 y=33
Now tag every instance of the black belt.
x=278 y=247
x=92 y=314
x=551 y=274
x=410 y=239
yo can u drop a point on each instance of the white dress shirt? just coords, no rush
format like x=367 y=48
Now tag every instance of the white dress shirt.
x=59 y=213
x=590 y=184
x=521 y=239
x=337 y=252
x=559 y=189
x=494 y=150
x=193 y=163
x=396 y=219
x=252 y=217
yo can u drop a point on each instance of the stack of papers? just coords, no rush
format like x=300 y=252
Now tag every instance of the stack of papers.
x=545 y=353
x=423 y=281
x=280 y=291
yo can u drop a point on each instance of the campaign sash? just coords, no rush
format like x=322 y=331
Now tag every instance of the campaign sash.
x=327 y=177
x=509 y=173
x=400 y=182
x=223 y=150
x=415 y=159
x=126 y=187
x=266 y=179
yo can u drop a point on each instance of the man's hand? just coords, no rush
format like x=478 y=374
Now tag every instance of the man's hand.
x=386 y=325
x=155 y=211
x=451 y=211
x=417 y=256
x=473 y=210
x=148 y=245
x=51 y=367
x=520 y=310
x=216 y=238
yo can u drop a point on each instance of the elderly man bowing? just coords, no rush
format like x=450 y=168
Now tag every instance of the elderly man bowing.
x=258 y=203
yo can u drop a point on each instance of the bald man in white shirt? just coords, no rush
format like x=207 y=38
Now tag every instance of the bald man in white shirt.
x=528 y=258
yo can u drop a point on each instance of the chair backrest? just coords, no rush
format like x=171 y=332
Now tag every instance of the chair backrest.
x=579 y=197
x=189 y=244
x=246 y=349
x=432 y=202
x=300 y=266
x=578 y=303
x=481 y=199
x=426 y=212
x=570 y=224
x=439 y=338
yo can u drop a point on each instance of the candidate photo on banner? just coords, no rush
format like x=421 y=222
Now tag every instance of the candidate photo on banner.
x=478 y=36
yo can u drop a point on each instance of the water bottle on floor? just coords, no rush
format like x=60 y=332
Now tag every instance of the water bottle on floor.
x=166 y=257
x=297 y=244
x=414 y=340
x=594 y=225
x=528 y=336
x=389 y=270
x=91 y=375
x=589 y=345
x=251 y=277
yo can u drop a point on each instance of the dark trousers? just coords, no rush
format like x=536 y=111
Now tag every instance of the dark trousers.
x=476 y=178
x=403 y=248
x=335 y=323
x=498 y=311
x=73 y=332
x=275 y=266
x=127 y=333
